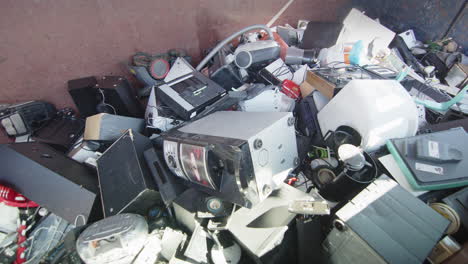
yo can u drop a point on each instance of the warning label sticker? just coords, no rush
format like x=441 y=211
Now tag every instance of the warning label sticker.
x=430 y=168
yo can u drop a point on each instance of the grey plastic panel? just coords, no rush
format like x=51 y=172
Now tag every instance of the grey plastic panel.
x=398 y=226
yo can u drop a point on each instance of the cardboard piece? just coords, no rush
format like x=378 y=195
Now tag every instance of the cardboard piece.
x=315 y=82
x=109 y=127
x=391 y=222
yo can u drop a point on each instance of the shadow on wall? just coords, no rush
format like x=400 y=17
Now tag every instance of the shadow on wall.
x=45 y=43
x=430 y=19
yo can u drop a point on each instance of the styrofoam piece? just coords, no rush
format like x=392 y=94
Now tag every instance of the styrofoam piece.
x=226 y=255
x=378 y=109
x=170 y=242
x=300 y=74
x=150 y=253
x=9 y=216
x=358 y=26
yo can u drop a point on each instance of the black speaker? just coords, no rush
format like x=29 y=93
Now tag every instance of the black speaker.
x=51 y=179
x=61 y=132
x=124 y=177
x=108 y=94
x=84 y=94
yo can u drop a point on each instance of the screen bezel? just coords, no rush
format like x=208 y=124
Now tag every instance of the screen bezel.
x=204 y=161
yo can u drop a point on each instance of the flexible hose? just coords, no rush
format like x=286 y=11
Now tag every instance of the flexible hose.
x=230 y=38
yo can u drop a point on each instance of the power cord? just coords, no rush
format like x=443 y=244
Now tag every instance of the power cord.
x=104 y=101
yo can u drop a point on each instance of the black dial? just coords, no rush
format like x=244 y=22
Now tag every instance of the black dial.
x=172 y=162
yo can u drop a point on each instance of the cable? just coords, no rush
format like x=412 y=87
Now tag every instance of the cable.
x=104 y=101
x=44 y=123
x=303 y=183
x=374 y=166
x=281 y=70
x=333 y=63
x=353 y=179
x=33 y=214
x=41 y=251
x=77 y=217
x=450 y=214
x=167 y=123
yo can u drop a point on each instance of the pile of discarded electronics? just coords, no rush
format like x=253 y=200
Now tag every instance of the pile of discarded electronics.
x=327 y=143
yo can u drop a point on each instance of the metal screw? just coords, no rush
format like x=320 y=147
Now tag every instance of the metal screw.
x=43 y=211
x=214 y=204
x=266 y=190
x=340 y=225
x=258 y=143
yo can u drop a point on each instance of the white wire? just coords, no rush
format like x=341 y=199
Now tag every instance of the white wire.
x=41 y=251
x=104 y=101
x=5 y=248
x=78 y=217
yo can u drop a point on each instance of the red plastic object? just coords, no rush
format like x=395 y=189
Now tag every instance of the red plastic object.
x=21 y=249
x=292 y=180
x=291 y=89
x=159 y=63
x=10 y=197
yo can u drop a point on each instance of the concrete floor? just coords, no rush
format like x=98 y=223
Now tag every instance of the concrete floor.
x=44 y=43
